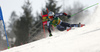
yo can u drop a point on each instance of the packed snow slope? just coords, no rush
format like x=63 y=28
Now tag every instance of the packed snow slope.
x=83 y=39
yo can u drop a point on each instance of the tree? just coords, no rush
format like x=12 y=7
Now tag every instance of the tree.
x=23 y=24
x=51 y=5
x=12 y=21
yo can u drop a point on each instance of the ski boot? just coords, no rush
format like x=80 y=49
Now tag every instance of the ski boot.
x=79 y=25
x=50 y=35
x=68 y=28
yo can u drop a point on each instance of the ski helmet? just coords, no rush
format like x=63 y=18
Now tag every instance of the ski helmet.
x=51 y=13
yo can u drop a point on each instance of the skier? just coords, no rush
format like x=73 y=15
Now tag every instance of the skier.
x=56 y=22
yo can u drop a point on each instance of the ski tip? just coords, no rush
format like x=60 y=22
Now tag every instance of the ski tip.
x=69 y=29
x=82 y=25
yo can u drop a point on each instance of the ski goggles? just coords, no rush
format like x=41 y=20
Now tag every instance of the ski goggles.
x=50 y=17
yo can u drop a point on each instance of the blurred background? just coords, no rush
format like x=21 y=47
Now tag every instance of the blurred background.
x=23 y=18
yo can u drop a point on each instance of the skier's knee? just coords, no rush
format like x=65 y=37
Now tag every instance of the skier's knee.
x=60 y=28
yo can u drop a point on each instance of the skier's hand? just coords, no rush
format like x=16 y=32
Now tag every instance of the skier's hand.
x=68 y=16
x=50 y=34
x=65 y=14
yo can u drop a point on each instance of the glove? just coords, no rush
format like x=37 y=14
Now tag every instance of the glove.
x=65 y=14
x=68 y=16
x=50 y=35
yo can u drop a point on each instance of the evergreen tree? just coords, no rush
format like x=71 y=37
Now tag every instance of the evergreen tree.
x=11 y=27
x=12 y=21
x=23 y=24
x=51 y=5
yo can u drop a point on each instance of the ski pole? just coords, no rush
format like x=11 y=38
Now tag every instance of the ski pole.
x=1 y=18
x=84 y=9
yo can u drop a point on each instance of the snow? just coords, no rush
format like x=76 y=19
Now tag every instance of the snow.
x=83 y=39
